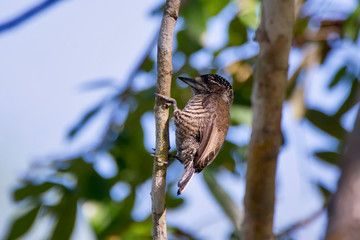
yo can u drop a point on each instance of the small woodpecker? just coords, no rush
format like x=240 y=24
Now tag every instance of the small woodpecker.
x=201 y=127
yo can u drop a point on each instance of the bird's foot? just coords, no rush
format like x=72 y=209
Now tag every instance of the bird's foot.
x=168 y=101
x=170 y=156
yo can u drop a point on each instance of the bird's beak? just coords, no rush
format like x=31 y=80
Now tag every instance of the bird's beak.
x=191 y=82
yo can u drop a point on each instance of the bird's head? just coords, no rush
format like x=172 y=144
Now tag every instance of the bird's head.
x=210 y=84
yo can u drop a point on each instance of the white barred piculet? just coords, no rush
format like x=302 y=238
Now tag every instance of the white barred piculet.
x=201 y=127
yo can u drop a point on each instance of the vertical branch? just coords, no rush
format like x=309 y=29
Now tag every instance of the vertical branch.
x=344 y=211
x=164 y=74
x=275 y=38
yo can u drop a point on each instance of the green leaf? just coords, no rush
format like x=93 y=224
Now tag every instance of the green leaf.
x=324 y=191
x=237 y=32
x=66 y=216
x=138 y=230
x=329 y=157
x=226 y=156
x=249 y=12
x=22 y=224
x=341 y=73
x=171 y=201
x=214 y=7
x=120 y=215
x=242 y=91
x=240 y=115
x=187 y=44
x=352 y=25
x=328 y=124
x=147 y=65
x=32 y=190
x=196 y=16
x=191 y=38
x=301 y=25
x=350 y=101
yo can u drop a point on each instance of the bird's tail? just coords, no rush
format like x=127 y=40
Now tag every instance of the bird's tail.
x=189 y=172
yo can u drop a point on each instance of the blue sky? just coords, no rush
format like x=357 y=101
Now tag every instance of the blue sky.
x=44 y=63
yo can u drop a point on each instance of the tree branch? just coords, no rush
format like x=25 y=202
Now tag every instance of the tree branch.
x=27 y=15
x=275 y=38
x=301 y=223
x=164 y=75
x=344 y=211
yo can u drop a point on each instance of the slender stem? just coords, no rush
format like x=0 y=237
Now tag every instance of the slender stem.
x=275 y=38
x=284 y=234
x=32 y=12
x=164 y=75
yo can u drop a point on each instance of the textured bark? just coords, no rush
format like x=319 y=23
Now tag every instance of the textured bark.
x=164 y=75
x=344 y=212
x=275 y=38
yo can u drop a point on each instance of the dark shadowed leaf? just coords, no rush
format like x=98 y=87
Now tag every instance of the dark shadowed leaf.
x=225 y=158
x=32 y=190
x=188 y=44
x=328 y=124
x=237 y=32
x=172 y=201
x=338 y=77
x=329 y=157
x=195 y=15
x=66 y=216
x=351 y=100
x=22 y=224
x=147 y=65
x=324 y=191
x=242 y=91
x=120 y=214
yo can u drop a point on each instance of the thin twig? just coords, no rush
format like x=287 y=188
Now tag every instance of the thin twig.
x=32 y=12
x=164 y=75
x=302 y=223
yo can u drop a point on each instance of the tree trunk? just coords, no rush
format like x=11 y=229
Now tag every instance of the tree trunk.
x=344 y=212
x=164 y=75
x=275 y=39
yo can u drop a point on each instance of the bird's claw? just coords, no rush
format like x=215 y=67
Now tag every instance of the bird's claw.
x=168 y=101
x=169 y=156
x=157 y=156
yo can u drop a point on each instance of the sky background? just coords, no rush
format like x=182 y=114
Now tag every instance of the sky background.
x=46 y=62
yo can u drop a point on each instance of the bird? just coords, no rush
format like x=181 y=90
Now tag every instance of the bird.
x=201 y=127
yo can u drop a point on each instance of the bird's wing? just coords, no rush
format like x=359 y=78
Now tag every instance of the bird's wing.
x=210 y=137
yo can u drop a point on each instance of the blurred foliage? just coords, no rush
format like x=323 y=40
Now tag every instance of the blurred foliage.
x=71 y=185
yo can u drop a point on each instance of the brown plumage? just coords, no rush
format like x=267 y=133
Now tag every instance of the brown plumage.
x=201 y=127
